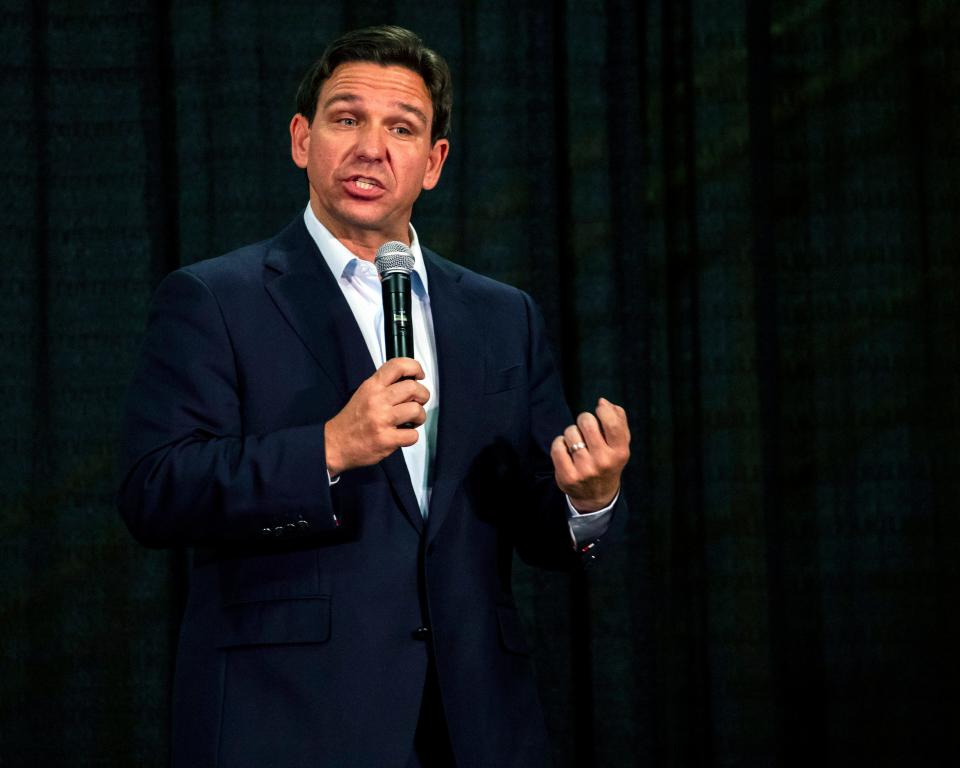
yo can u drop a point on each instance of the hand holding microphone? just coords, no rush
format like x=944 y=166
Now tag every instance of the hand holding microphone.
x=382 y=415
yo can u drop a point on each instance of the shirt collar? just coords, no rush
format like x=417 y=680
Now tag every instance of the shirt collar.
x=338 y=257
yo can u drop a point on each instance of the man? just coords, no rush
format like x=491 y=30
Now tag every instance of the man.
x=350 y=603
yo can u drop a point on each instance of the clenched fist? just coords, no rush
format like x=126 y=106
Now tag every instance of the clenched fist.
x=368 y=428
x=590 y=455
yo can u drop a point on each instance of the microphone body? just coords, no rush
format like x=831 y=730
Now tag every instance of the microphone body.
x=397 y=328
x=394 y=262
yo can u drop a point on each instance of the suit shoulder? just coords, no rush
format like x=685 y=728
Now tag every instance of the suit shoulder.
x=474 y=281
x=239 y=274
x=242 y=264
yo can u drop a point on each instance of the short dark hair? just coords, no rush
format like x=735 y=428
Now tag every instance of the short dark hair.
x=383 y=45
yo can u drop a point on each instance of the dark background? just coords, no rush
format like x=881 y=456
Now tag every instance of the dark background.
x=740 y=217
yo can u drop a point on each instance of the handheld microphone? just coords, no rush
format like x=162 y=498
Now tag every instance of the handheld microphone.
x=394 y=262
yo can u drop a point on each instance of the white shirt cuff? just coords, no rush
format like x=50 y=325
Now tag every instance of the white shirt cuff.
x=587 y=526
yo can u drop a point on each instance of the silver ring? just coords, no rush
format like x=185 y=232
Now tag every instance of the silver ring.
x=576 y=447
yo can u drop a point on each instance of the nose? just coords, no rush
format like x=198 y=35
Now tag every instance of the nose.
x=370 y=144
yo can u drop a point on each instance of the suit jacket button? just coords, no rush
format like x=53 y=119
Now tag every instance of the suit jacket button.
x=267 y=531
x=303 y=524
x=278 y=531
x=421 y=633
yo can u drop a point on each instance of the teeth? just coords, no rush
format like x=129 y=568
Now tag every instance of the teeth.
x=364 y=184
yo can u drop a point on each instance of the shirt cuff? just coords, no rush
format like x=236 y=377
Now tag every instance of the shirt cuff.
x=587 y=526
x=336 y=479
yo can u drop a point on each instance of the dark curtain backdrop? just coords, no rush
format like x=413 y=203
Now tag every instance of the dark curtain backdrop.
x=741 y=222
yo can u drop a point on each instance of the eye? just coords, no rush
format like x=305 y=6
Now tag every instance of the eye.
x=402 y=130
x=348 y=121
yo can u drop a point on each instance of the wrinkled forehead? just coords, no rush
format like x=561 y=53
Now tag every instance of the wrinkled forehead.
x=380 y=84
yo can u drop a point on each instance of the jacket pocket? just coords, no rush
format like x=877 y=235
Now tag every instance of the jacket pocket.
x=511 y=630
x=276 y=622
x=275 y=576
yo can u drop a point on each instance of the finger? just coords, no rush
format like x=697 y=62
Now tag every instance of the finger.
x=579 y=452
x=572 y=437
x=408 y=413
x=407 y=390
x=590 y=429
x=613 y=420
x=400 y=368
x=404 y=438
x=564 y=470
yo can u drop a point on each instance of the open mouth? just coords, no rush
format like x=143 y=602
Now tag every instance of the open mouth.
x=365 y=183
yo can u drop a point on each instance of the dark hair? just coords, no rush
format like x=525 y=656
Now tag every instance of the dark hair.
x=383 y=45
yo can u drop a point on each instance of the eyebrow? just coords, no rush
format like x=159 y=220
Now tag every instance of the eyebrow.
x=351 y=98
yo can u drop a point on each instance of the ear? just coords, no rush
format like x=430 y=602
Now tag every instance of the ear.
x=299 y=140
x=438 y=156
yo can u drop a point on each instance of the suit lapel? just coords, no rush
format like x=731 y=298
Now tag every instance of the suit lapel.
x=308 y=296
x=460 y=373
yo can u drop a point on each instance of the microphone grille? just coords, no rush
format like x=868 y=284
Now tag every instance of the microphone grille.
x=394 y=257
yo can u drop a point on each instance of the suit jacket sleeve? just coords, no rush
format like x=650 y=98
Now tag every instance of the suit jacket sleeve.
x=190 y=477
x=541 y=532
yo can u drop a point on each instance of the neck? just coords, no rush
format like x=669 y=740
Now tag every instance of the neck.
x=362 y=243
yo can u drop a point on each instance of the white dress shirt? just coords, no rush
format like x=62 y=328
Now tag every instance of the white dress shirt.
x=360 y=284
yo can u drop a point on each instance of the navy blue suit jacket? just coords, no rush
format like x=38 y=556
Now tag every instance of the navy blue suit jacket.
x=297 y=645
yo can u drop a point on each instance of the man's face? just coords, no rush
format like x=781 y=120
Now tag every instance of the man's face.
x=368 y=152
